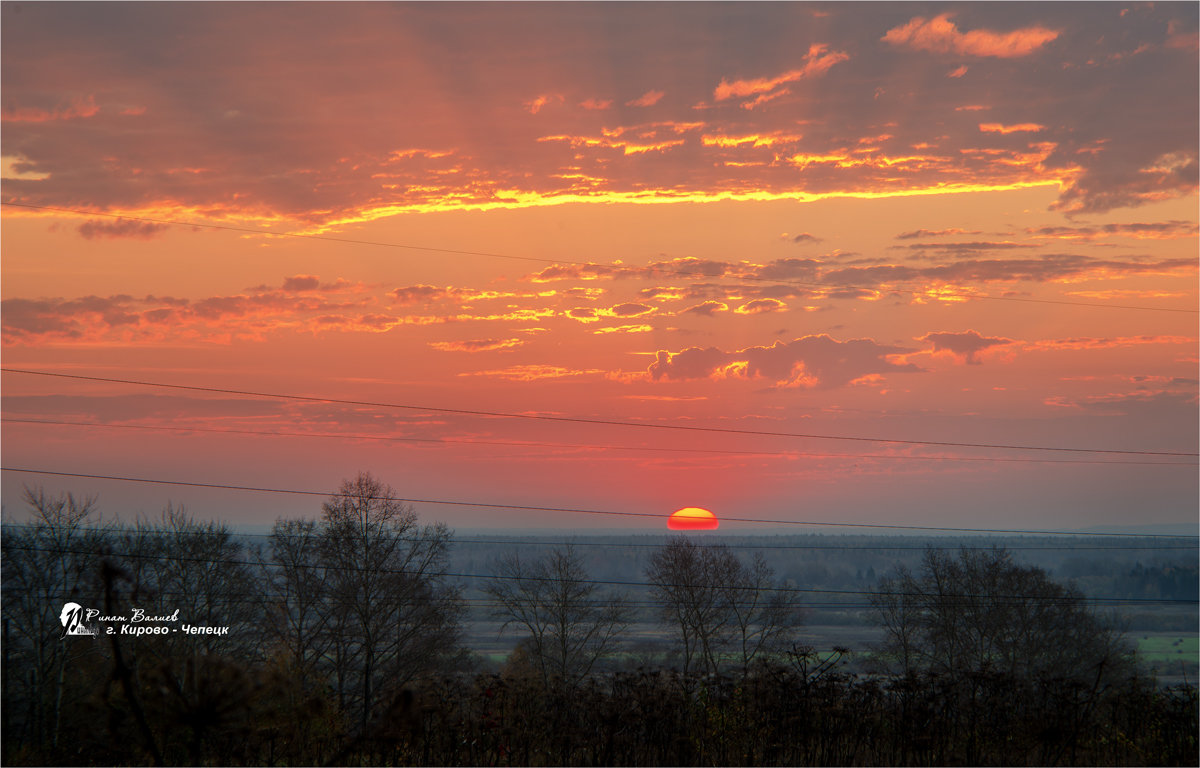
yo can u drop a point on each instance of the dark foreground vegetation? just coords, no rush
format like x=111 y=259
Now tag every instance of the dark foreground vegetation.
x=338 y=642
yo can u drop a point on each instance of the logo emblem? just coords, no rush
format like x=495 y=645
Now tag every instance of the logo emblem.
x=72 y=621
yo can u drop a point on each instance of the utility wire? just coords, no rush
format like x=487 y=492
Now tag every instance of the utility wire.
x=1065 y=599
x=665 y=271
x=582 y=446
x=573 y=510
x=581 y=420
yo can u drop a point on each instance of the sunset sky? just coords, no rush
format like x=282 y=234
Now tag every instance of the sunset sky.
x=924 y=223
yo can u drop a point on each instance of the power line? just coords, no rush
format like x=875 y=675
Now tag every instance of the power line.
x=533 y=508
x=1065 y=599
x=532 y=444
x=581 y=420
x=665 y=271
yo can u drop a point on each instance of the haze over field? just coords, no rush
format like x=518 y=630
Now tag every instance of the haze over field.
x=931 y=224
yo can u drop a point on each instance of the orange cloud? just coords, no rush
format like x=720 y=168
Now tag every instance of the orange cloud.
x=1006 y=129
x=476 y=345
x=759 y=306
x=817 y=61
x=595 y=104
x=533 y=106
x=647 y=99
x=941 y=35
x=535 y=372
x=76 y=109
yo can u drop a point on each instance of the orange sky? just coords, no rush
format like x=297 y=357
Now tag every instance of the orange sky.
x=950 y=223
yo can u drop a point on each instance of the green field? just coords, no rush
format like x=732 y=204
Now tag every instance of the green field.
x=1168 y=647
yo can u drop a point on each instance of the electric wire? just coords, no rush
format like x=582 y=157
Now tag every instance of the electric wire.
x=665 y=271
x=582 y=420
x=575 y=510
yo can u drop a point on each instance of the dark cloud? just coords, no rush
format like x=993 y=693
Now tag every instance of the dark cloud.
x=301 y=283
x=414 y=294
x=133 y=107
x=965 y=345
x=1161 y=229
x=630 y=309
x=805 y=237
x=811 y=361
x=120 y=228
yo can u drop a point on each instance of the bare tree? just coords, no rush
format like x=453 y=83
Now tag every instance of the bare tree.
x=47 y=563
x=570 y=625
x=391 y=613
x=296 y=596
x=980 y=611
x=718 y=606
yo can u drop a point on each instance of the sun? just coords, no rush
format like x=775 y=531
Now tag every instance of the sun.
x=692 y=519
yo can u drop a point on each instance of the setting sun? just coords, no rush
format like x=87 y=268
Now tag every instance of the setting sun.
x=692 y=519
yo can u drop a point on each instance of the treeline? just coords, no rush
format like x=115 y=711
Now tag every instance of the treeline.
x=339 y=641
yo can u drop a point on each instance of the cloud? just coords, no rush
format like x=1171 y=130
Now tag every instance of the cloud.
x=625 y=329
x=759 y=306
x=957 y=73
x=536 y=372
x=77 y=108
x=1162 y=230
x=1111 y=342
x=120 y=228
x=941 y=35
x=706 y=309
x=301 y=283
x=476 y=345
x=804 y=237
x=647 y=99
x=302 y=304
x=965 y=345
x=534 y=105
x=378 y=135
x=1007 y=129
x=1100 y=189
x=812 y=362
x=916 y=233
x=630 y=310
x=817 y=61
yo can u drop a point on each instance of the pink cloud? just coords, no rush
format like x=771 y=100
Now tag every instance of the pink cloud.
x=596 y=104
x=941 y=35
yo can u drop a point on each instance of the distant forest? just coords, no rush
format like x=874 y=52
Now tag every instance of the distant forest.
x=357 y=638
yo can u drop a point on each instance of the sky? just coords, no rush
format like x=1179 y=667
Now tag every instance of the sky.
x=879 y=259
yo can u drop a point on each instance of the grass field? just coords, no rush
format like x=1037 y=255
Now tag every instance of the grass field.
x=1169 y=647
